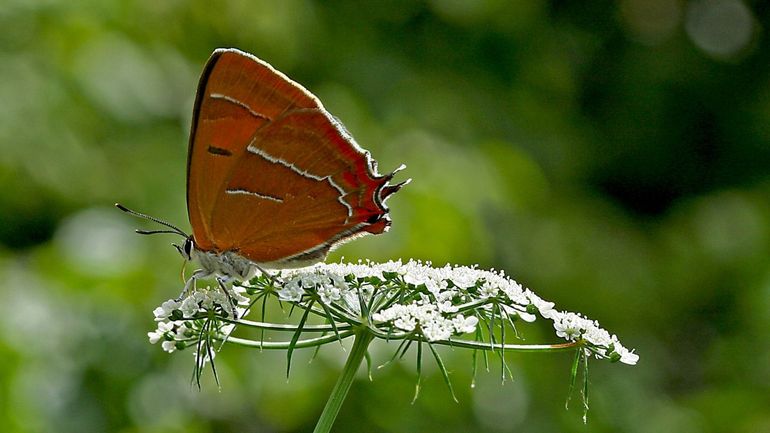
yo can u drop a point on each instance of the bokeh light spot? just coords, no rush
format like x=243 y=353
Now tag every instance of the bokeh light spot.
x=98 y=242
x=721 y=28
x=651 y=21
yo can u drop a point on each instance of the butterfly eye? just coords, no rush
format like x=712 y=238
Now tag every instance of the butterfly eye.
x=188 y=248
x=185 y=250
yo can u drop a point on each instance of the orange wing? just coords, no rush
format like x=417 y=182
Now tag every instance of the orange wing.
x=271 y=174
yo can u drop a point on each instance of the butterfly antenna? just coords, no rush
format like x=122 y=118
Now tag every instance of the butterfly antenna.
x=154 y=232
x=174 y=229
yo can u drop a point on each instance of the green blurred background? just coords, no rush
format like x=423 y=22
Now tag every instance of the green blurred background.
x=612 y=156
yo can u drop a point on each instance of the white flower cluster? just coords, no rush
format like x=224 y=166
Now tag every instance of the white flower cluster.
x=449 y=287
x=434 y=316
x=572 y=326
x=330 y=287
x=437 y=303
x=169 y=333
x=432 y=324
x=174 y=317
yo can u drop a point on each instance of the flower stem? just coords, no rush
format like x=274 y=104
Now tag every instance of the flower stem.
x=341 y=388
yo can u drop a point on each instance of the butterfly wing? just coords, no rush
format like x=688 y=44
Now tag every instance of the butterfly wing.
x=271 y=174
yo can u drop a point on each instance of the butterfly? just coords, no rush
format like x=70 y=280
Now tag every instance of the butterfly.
x=273 y=179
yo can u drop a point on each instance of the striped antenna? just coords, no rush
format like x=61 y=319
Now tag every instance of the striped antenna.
x=173 y=229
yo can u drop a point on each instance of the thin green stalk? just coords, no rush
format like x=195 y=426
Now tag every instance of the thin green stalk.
x=290 y=328
x=283 y=345
x=341 y=388
x=481 y=345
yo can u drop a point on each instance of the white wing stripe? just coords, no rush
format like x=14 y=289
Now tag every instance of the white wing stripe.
x=287 y=164
x=341 y=198
x=255 y=194
x=261 y=153
x=240 y=104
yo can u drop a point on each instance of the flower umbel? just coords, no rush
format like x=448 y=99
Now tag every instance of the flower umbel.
x=410 y=302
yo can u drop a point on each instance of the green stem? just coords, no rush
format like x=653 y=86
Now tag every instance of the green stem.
x=289 y=328
x=282 y=345
x=341 y=388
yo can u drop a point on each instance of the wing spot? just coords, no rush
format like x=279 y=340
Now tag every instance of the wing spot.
x=219 y=151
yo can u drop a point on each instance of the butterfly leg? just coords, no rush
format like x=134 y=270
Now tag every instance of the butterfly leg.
x=190 y=286
x=272 y=277
x=222 y=280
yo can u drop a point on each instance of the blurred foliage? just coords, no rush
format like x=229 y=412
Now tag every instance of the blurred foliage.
x=613 y=156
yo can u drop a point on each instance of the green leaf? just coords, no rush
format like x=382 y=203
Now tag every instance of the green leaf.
x=573 y=377
x=370 y=305
x=395 y=355
x=330 y=317
x=399 y=292
x=210 y=352
x=585 y=387
x=317 y=349
x=474 y=368
x=511 y=320
x=368 y=357
x=419 y=372
x=362 y=304
x=406 y=349
x=262 y=331
x=295 y=337
x=197 y=371
x=486 y=360
x=492 y=328
x=204 y=346
x=444 y=372
x=293 y=305
x=503 y=365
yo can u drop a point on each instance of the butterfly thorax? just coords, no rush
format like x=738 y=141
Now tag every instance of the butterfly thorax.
x=227 y=264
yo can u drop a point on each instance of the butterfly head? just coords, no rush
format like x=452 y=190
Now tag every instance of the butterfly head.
x=187 y=248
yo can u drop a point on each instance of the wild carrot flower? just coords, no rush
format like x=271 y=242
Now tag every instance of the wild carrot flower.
x=412 y=302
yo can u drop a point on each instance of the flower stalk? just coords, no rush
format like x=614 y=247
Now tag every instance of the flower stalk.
x=341 y=388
